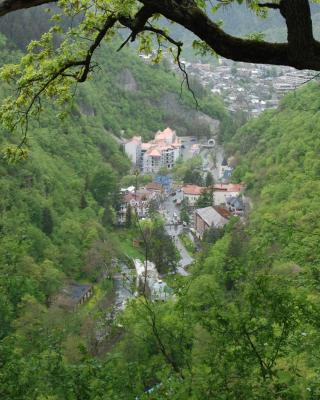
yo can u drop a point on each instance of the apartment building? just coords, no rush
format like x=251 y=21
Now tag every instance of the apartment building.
x=161 y=152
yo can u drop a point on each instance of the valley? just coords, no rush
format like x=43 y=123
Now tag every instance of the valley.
x=159 y=232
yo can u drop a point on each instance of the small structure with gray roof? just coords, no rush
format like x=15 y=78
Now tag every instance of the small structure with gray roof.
x=235 y=205
x=207 y=217
x=73 y=295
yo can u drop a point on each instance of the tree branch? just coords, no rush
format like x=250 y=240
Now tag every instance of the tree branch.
x=301 y=51
x=269 y=5
x=189 y=15
x=7 y=6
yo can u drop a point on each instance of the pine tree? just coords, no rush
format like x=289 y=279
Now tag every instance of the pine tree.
x=129 y=216
x=47 y=221
x=209 y=179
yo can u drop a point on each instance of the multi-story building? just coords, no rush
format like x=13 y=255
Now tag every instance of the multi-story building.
x=162 y=152
x=133 y=148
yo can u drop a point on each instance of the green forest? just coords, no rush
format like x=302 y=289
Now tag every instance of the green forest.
x=244 y=324
x=58 y=219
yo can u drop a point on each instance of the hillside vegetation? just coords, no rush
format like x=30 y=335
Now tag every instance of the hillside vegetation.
x=244 y=325
x=57 y=217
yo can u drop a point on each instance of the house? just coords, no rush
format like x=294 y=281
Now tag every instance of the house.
x=162 y=152
x=160 y=291
x=235 y=205
x=139 y=203
x=194 y=149
x=156 y=189
x=192 y=193
x=73 y=295
x=208 y=217
x=222 y=191
x=129 y=189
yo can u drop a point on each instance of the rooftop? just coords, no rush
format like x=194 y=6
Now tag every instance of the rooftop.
x=223 y=212
x=154 y=186
x=154 y=152
x=214 y=216
x=168 y=133
x=134 y=139
x=192 y=190
x=228 y=187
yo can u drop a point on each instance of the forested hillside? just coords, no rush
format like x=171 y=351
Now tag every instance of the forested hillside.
x=280 y=164
x=57 y=214
x=246 y=324
x=243 y=325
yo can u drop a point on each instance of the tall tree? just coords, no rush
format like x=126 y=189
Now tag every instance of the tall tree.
x=185 y=211
x=160 y=246
x=193 y=176
x=206 y=198
x=129 y=216
x=209 y=179
x=47 y=221
x=103 y=185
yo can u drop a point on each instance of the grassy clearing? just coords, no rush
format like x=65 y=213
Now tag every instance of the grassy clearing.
x=123 y=239
x=188 y=244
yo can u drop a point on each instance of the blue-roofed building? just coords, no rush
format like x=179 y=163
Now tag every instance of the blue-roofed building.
x=165 y=181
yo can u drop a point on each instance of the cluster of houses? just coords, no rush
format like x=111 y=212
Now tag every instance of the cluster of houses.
x=222 y=194
x=226 y=202
x=249 y=88
x=161 y=152
x=139 y=200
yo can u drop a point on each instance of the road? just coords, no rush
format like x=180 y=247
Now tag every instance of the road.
x=174 y=231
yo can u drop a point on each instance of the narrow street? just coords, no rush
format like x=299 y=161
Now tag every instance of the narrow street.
x=172 y=212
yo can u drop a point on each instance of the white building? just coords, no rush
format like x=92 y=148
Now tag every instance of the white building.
x=132 y=148
x=192 y=193
x=162 y=152
x=223 y=191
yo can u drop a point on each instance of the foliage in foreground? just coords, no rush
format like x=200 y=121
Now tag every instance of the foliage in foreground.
x=245 y=324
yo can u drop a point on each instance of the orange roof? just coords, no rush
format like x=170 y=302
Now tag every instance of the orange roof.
x=154 y=153
x=134 y=139
x=168 y=133
x=145 y=146
x=235 y=187
x=192 y=190
x=223 y=212
x=228 y=187
x=154 y=186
